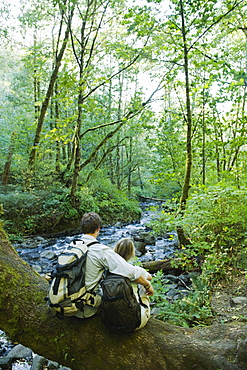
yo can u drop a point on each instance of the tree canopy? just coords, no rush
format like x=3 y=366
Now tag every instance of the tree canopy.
x=90 y=86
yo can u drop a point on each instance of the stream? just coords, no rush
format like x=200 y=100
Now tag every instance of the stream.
x=41 y=253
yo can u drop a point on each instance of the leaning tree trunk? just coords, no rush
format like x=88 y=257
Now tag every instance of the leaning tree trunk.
x=87 y=344
x=45 y=103
x=183 y=239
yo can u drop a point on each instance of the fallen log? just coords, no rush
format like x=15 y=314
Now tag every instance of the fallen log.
x=87 y=344
x=141 y=197
x=164 y=265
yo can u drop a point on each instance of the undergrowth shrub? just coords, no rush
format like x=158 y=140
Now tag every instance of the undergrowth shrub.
x=188 y=311
x=215 y=220
x=113 y=204
x=26 y=212
x=218 y=215
x=45 y=211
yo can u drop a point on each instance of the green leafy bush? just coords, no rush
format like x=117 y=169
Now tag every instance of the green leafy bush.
x=113 y=204
x=26 y=212
x=50 y=210
x=217 y=215
x=215 y=220
x=188 y=311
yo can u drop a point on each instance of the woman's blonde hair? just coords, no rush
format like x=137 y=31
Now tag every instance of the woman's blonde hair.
x=125 y=248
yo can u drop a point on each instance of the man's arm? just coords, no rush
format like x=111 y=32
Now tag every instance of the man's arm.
x=147 y=285
x=117 y=265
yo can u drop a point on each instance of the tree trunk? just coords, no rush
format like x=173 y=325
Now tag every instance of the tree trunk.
x=6 y=171
x=186 y=185
x=36 y=82
x=203 y=134
x=119 y=114
x=76 y=150
x=87 y=344
x=129 y=166
x=45 y=103
x=83 y=64
x=183 y=240
x=57 y=144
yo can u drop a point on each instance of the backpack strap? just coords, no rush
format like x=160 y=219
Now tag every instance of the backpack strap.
x=94 y=242
x=140 y=300
x=81 y=240
x=91 y=291
x=56 y=284
x=58 y=278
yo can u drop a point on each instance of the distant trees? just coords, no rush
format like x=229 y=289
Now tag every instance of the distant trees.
x=79 y=102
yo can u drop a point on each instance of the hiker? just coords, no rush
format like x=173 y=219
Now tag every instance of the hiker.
x=126 y=249
x=101 y=257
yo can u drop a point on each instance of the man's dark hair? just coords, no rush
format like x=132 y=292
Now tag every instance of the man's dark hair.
x=90 y=222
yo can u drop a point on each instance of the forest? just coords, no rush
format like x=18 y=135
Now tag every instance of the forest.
x=105 y=103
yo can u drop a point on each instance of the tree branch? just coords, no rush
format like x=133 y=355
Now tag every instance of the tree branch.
x=217 y=21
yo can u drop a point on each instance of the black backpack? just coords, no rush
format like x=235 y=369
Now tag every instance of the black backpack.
x=121 y=312
x=67 y=293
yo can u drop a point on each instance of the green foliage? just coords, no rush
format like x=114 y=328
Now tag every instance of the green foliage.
x=50 y=209
x=241 y=259
x=27 y=212
x=113 y=204
x=158 y=282
x=85 y=202
x=188 y=311
x=215 y=220
x=165 y=220
x=218 y=216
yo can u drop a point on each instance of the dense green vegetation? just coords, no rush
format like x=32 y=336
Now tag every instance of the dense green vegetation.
x=49 y=210
x=104 y=101
x=216 y=221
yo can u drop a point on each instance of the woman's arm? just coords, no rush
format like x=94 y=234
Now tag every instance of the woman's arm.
x=146 y=283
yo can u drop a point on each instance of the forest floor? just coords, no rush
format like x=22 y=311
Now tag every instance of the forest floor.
x=223 y=307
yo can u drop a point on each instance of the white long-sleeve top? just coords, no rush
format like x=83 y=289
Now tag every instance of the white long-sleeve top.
x=101 y=257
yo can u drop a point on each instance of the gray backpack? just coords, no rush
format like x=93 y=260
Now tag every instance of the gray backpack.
x=67 y=294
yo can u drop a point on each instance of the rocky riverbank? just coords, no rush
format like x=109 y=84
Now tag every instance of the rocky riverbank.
x=41 y=253
x=229 y=300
